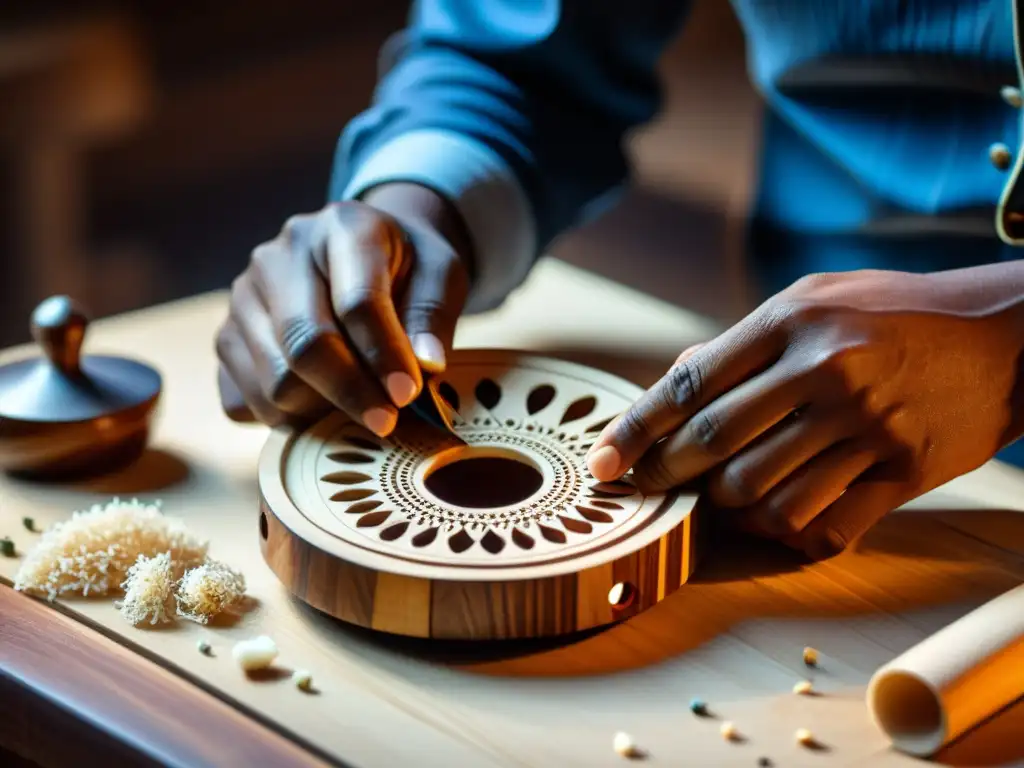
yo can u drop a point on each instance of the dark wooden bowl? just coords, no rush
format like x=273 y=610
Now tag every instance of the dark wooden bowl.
x=65 y=415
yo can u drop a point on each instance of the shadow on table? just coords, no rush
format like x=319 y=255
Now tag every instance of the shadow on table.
x=155 y=470
x=996 y=742
x=909 y=562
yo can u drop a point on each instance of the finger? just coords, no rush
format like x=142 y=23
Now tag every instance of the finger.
x=611 y=457
x=749 y=475
x=237 y=368
x=687 y=353
x=231 y=400
x=285 y=390
x=793 y=504
x=434 y=299
x=715 y=368
x=296 y=296
x=363 y=253
x=851 y=516
x=722 y=428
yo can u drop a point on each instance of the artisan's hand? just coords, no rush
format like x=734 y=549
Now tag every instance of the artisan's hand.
x=832 y=404
x=342 y=309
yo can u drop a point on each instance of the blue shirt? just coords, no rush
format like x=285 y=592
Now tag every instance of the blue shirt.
x=880 y=116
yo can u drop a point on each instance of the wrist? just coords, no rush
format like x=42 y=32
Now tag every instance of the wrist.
x=413 y=204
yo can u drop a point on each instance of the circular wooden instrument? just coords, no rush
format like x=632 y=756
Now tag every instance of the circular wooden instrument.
x=497 y=531
x=64 y=414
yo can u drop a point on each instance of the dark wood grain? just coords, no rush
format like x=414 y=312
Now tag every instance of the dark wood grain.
x=68 y=694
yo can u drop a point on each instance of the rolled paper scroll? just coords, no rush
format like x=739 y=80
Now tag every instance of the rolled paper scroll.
x=953 y=680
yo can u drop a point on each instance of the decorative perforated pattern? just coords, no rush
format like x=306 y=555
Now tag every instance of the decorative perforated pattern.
x=375 y=488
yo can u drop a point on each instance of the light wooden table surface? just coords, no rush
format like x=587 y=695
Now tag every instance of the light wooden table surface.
x=733 y=638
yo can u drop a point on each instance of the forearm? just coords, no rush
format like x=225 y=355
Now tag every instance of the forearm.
x=986 y=289
x=514 y=114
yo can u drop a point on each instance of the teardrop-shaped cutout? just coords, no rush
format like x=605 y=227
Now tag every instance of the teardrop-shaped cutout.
x=606 y=504
x=552 y=534
x=423 y=538
x=363 y=506
x=614 y=488
x=579 y=408
x=353 y=494
x=594 y=515
x=492 y=542
x=540 y=398
x=599 y=426
x=574 y=525
x=373 y=519
x=395 y=531
x=350 y=457
x=460 y=542
x=345 y=478
x=447 y=391
x=522 y=540
x=488 y=394
x=362 y=442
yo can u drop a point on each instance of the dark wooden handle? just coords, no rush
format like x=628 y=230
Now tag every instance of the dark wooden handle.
x=58 y=326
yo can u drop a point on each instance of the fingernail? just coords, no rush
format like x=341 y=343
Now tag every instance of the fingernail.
x=401 y=387
x=604 y=463
x=380 y=421
x=429 y=351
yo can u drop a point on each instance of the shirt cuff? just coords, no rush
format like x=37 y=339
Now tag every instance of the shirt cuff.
x=483 y=189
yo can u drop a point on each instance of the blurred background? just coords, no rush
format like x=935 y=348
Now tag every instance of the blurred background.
x=147 y=147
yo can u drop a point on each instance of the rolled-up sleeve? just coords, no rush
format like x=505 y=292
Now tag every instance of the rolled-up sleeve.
x=515 y=112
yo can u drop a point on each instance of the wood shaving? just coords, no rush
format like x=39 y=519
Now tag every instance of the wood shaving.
x=149 y=591
x=208 y=590
x=90 y=554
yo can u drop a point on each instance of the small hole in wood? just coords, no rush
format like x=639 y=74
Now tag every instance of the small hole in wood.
x=264 y=528
x=621 y=595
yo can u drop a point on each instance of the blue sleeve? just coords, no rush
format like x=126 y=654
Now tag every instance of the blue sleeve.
x=515 y=110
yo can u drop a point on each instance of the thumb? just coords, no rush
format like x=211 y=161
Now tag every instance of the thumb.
x=434 y=297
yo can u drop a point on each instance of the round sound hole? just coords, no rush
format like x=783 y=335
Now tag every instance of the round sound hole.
x=484 y=482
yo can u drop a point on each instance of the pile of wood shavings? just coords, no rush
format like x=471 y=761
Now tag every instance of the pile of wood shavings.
x=149 y=591
x=207 y=590
x=91 y=553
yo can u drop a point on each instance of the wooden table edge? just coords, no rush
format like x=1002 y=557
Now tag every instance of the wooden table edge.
x=37 y=684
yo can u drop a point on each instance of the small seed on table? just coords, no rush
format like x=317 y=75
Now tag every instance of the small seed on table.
x=303 y=679
x=255 y=654
x=29 y=523
x=804 y=736
x=729 y=732
x=810 y=657
x=204 y=647
x=803 y=688
x=6 y=547
x=624 y=745
x=698 y=707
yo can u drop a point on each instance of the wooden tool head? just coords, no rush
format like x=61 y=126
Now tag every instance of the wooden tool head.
x=65 y=414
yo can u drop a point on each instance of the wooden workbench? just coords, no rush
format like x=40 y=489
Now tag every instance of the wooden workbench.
x=76 y=680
